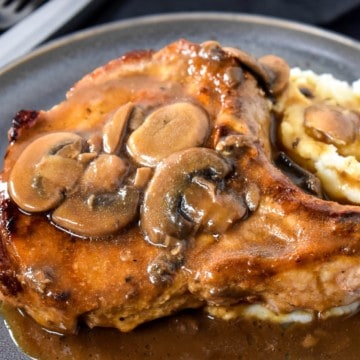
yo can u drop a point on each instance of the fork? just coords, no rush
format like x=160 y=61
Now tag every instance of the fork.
x=12 y=11
x=38 y=26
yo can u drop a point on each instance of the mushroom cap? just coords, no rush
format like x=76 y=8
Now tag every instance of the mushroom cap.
x=99 y=215
x=272 y=70
x=331 y=124
x=168 y=129
x=37 y=187
x=278 y=70
x=251 y=63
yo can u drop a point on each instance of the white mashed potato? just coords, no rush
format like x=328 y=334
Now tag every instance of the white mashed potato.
x=320 y=129
x=258 y=311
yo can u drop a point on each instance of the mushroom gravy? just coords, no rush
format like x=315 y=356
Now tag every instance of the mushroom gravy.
x=193 y=335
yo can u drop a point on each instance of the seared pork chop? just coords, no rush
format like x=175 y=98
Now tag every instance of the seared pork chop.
x=152 y=188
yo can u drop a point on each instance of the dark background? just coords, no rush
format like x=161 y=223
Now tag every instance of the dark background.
x=341 y=16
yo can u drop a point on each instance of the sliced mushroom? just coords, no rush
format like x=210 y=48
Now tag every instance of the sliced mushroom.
x=272 y=70
x=104 y=215
x=279 y=72
x=251 y=63
x=161 y=215
x=115 y=128
x=331 y=124
x=104 y=174
x=168 y=129
x=40 y=176
x=212 y=211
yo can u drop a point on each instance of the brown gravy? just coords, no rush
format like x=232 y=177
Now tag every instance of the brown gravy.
x=192 y=335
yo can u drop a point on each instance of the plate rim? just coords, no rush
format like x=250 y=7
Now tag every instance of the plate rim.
x=117 y=25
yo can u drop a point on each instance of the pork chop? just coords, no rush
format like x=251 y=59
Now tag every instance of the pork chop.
x=152 y=188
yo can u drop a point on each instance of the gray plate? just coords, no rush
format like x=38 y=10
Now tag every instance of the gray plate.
x=41 y=79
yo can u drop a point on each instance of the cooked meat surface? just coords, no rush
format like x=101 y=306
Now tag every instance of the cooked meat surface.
x=152 y=188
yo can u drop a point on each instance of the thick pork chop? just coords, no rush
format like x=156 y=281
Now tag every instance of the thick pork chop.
x=152 y=188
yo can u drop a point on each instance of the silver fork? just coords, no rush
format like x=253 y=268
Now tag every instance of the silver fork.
x=40 y=25
x=12 y=11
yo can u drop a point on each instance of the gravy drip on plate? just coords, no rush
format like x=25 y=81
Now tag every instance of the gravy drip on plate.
x=192 y=335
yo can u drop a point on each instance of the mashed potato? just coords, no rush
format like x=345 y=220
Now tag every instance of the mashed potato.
x=320 y=129
x=258 y=311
